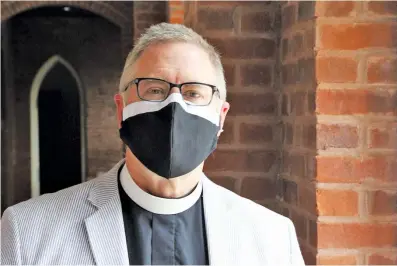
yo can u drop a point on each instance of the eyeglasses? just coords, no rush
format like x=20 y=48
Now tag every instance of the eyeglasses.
x=157 y=90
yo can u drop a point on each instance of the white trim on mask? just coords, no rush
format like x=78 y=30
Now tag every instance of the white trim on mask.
x=156 y=204
x=142 y=107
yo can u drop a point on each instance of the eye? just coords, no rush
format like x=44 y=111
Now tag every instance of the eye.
x=192 y=94
x=155 y=90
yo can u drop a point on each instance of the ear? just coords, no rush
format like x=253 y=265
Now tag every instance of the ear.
x=224 y=109
x=118 y=99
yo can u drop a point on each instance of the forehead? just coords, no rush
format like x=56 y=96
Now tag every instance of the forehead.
x=176 y=62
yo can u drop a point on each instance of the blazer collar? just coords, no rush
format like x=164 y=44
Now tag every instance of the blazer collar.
x=105 y=227
x=220 y=226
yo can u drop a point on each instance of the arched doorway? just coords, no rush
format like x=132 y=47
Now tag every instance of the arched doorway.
x=57 y=128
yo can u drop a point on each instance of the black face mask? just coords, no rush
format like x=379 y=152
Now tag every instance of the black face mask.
x=170 y=138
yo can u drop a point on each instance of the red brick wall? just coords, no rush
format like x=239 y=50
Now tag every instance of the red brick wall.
x=296 y=189
x=356 y=103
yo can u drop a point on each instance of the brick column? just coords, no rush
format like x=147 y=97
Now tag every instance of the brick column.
x=176 y=12
x=296 y=189
x=356 y=70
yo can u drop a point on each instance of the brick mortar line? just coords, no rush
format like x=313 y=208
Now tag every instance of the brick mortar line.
x=376 y=153
x=308 y=118
x=363 y=202
x=355 y=86
x=298 y=88
x=340 y=120
x=301 y=30
x=301 y=182
x=362 y=136
x=302 y=150
x=368 y=52
x=380 y=151
x=390 y=187
x=352 y=251
x=299 y=210
x=354 y=119
x=238 y=184
x=237 y=73
x=247 y=34
x=362 y=70
x=272 y=123
x=290 y=60
x=353 y=152
x=297 y=27
x=256 y=119
x=337 y=252
x=304 y=54
x=236 y=19
x=362 y=19
x=236 y=132
x=357 y=220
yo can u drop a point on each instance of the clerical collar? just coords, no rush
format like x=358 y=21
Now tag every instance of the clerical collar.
x=156 y=204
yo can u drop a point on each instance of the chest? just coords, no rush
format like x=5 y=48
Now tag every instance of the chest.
x=174 y=239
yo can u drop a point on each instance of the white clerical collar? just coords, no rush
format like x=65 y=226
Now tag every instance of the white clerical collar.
x=155 y=204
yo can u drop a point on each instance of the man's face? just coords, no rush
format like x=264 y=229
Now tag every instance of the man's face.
x=175 y=62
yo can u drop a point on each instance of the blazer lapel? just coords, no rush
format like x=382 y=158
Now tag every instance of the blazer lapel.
x=106 y=227
x=222 y=242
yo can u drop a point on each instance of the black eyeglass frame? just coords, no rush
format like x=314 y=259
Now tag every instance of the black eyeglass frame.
x=172 y=85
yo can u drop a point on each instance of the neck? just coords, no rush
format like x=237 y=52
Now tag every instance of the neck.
x=158 y=186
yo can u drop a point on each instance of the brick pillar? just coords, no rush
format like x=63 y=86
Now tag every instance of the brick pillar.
x=356 y=70
x=296 y=189
x=176 y=12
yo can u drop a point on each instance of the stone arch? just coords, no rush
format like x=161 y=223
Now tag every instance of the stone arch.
x=34 y=128
x=119 y=16
x=12 y=8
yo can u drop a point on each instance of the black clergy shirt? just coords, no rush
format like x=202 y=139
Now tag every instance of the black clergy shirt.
x=161 y=233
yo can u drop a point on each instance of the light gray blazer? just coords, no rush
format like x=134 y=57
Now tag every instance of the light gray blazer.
x=84 y=225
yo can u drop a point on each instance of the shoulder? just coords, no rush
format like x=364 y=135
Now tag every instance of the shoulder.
x=72 y=202
x=252 y=211
x=52 y=206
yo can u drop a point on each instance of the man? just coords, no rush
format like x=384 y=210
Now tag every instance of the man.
x=156 y=206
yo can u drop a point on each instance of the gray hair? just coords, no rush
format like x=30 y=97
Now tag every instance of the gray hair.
x=164 y=32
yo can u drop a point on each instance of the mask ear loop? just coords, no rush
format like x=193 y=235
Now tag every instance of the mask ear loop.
x=220 y=119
